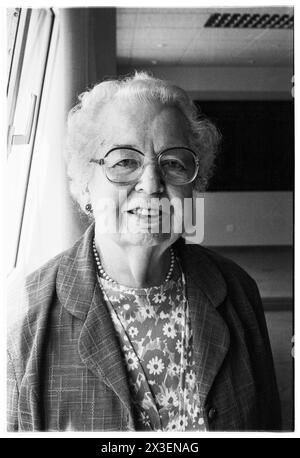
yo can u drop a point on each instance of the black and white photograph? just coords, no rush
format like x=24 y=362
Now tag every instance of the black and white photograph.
x=149 y=253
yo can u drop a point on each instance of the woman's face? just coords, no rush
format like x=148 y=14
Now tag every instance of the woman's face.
x=149 y=128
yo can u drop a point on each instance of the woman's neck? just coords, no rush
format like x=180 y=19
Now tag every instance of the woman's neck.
x=134 y=266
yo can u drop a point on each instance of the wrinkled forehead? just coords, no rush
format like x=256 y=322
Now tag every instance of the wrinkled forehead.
x=136 y=123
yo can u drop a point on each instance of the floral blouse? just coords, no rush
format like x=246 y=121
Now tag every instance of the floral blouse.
x=154 y=329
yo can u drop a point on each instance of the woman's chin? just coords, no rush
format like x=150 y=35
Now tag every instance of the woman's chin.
x=144 y=239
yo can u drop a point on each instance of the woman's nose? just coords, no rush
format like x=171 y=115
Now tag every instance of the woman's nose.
x=150 y=181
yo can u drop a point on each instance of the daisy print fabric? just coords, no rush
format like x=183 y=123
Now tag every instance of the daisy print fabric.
x=154 y=329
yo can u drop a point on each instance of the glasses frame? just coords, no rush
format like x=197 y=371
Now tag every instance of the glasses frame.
x=157 y=159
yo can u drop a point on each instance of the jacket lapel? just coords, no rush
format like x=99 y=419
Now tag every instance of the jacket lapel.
x=206 y=290
x=80 y=294
x=100 y=350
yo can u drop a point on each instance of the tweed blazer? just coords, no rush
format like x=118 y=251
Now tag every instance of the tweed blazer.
x=66 y=369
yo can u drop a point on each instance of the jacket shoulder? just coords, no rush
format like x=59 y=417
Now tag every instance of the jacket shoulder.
x=242 y=290
x=40 y=284
x=39 y=294
x=30 y=305
x=230 y=270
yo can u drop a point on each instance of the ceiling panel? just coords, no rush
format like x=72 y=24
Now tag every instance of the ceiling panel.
x=240 y=35
x=162 y=38
x=126 y=19
x=171 y=20
x=177 y=36
x=144 y=56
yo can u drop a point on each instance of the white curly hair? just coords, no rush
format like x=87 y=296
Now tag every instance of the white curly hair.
x=83 y=130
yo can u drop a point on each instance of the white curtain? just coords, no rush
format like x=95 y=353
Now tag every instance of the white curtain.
x=51 y=220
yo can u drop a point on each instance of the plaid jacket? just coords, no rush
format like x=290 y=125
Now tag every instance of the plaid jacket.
x=65 y=366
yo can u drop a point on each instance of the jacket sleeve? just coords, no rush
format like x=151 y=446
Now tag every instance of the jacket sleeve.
x=22 y=403
x=12 y=396
x=269 y=401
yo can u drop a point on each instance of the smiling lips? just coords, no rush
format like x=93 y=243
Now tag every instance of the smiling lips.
x=149 y=212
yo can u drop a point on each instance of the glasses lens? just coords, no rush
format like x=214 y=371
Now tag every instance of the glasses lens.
x=178 y=165
x=123 y=165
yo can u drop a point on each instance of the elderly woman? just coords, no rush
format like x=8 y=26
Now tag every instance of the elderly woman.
x=131 y=328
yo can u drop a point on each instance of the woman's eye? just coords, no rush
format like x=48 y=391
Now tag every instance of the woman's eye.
x=127 y=163
x=173 y=165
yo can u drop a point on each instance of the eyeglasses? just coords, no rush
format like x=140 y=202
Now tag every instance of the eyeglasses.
x=124 y=165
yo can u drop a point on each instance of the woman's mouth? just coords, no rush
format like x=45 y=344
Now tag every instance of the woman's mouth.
x=145 y=212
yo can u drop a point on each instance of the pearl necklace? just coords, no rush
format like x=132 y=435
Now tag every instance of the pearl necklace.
x=103 y=274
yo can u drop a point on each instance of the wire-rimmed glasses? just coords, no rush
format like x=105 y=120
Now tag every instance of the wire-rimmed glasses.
x=124 y=165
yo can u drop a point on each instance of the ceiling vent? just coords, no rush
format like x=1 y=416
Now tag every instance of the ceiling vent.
x=251 y=21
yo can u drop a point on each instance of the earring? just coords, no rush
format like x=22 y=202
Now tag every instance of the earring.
x=88 y=208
